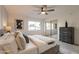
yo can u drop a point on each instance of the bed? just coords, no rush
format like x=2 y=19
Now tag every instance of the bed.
x=38 y=44
x=48 y=40
x=43 y=46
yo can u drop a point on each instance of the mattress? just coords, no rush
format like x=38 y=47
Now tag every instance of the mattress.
x=30 y=49
x=42 y=45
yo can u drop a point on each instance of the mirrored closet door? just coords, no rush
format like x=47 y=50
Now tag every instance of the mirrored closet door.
x=50 y=27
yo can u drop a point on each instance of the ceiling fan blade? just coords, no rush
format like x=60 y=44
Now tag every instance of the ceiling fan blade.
x=51 y=10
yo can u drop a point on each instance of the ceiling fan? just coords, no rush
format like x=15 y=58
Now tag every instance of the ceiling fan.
x=44 y=9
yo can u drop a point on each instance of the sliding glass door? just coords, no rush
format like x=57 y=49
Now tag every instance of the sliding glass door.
x=50 y=27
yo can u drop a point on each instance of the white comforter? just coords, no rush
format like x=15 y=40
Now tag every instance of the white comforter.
x=30 y=49
x=44 y=38
x=38 y=44
x=42 y=45
x=8 y=44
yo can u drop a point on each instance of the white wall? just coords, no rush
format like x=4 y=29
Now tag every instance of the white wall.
x=73 y=21
x=3 y=16
x=0 y=18
x=12 y=23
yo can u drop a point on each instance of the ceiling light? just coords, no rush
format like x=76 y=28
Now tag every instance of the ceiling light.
x=43 y=12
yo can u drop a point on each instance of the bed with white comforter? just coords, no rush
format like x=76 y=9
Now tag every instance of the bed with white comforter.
x=37 y=44
x=42 y=42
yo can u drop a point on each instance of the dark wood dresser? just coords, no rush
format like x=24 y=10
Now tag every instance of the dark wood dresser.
x=66 y=34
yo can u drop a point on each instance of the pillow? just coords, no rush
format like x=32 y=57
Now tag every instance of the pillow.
x=2 y=32
x=5 y=36
x=20 y=40
x=26 y=38
x=9 y=45
x=10 y=48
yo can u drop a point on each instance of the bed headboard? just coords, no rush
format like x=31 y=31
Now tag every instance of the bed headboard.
x=2 y=32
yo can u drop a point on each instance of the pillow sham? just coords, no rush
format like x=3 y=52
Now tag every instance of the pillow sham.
x=20 y=40
x=8 y=45
x=26 y=38
x=2 y=32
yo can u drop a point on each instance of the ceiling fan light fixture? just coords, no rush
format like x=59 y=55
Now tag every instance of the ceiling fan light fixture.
x=42 y=12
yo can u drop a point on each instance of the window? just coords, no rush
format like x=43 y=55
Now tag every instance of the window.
x=52 y=26
x=47 y=26
x=33 y=25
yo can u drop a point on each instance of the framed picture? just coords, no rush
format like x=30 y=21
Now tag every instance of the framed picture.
x=19 y=24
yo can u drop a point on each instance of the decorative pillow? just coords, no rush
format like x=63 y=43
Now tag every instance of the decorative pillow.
x=20 y=41
x=26 y=38
x=9 y=45
x=10 y=48
x=2 y=32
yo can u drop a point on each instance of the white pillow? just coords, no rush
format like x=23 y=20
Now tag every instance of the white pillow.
x=9 y=45
x=2 y=41
x=20 y=41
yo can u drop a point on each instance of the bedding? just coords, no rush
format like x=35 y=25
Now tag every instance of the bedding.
x=8 y=45
x=30 y=49
x=26 y=38
x=37 y=44
x=42 y=45
x=20 y=40
x=48 y=40
x=2 y=32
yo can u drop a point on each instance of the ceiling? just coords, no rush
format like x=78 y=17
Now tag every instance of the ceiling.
x=30 y=10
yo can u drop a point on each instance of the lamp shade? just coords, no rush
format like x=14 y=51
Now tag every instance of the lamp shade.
x=8 y=28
